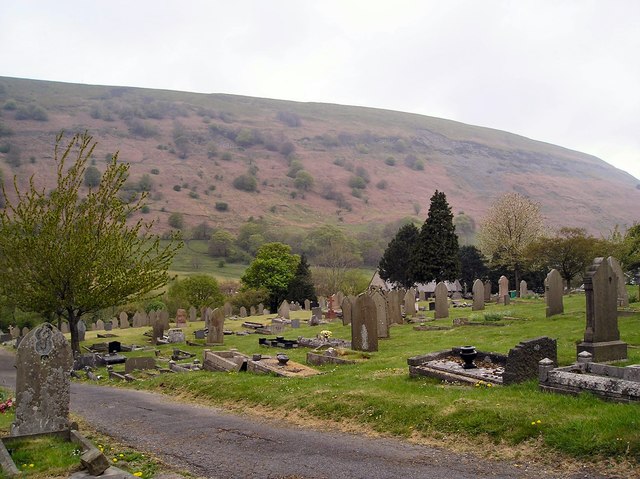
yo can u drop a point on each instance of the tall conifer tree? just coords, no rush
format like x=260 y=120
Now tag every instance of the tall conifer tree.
x=395 y=264
x=301 y=286
x=435 y=255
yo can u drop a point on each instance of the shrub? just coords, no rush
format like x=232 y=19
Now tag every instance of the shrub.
x=339 y=161
x=32 y=112
x=222 y=206
x=154 y=305
x=382 y=184
x=247 y=138
x=287 y=148
x=176 y=220
x=145 y=209
x=5 y=148
x=226 y=156
x=177 y=187
x=294 y=168
x=10 y=105
x=363 y=173
x=5 y=130
x=303 y=181
x=390 y=161
x=212 y=150
x=138 y=127
x=145 y=183
x=245 y=182
x=92 y=177
x=289 y=118
x=155 y=171
x=194 y=195
x=357 y=182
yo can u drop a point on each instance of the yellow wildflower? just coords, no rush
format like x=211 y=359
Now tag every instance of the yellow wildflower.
x=137 y=474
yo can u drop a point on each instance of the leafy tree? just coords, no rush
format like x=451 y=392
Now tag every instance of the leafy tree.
x=245 y=182
x=629 y=249
x=198 y=290
x=176 y=220
x=303 y=181
x=301 y=286
x=395 y=264
x=202 y=231
x=512 y=224
x=435 y=256
x=92 y=176
x=273 y=268
x=221 y=244
x=465 y=227
x=249 y=297
x=65 y=254
x=472 y=265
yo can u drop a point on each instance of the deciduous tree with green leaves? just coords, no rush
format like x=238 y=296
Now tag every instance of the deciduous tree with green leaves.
x=66 y=253
x=273 y=268
x=198 y=290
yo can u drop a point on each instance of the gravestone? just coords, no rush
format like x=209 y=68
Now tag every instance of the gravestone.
x=43 y=360
x=422 y=296
x=409 y=303
x=478 y=296
x=307 y=305
x=456 y=295
x=553 y=293
x=338 y=297
x=487 y=291
x=277 y=326
x=115 y=323
x=14 y=331
x=140 y=364
x=64 y=327
x=347 y=311
x=100 y=325
x=524 y=290
x=364 y=325
x=602 y=336
x=283 y=310
x=82 y=330
x=124 y=320
x=136 y=321
x=243 y=312
x=193 y=314
x=295 y=323
x=381 y=314
x=395 y=299
x=623 y=295
x=252 y=311
x=228 y=309
x=442 y=301
x=322 y=302
x=153 y=314
x=158 y=329
x=144 y=319
x=164 y=317
x=108 y=325
x=181 y=318
x=216 y=327
x=316 y=316
x=24 y=331
x=260 y=309
x=503 y=289
x=175 y=335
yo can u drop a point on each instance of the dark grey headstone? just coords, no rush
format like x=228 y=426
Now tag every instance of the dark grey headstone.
x=44 y=361
x=82 y=330
x=216 y=327
x=553 y=290
x=364 y=325
x=442 y=301
x=131 y=364
x=381 y=314
x=347 y=308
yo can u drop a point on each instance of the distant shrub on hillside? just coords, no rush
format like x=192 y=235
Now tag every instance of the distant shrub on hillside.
x=390 y=161
x=289 y=118
x=287 y=148
x=176 y=220
x=382 y=184
x=227 y=156
x=294 y=167
x=92 y=176
x=32 y=112
x=247 y=138
x=5 y=130
x=245 y=182
x=10 y=105
x=414 y=162
x=141 y=128
x=222 y=206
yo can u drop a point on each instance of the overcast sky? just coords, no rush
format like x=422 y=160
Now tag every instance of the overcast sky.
x=564 y=72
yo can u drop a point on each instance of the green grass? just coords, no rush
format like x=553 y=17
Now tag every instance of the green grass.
x=34 y=456
x=192 y=258
x=379 y=395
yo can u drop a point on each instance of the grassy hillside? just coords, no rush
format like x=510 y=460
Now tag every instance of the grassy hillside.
x=225 y=158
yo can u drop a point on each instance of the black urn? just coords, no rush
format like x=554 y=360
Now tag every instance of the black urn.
x=468 y=354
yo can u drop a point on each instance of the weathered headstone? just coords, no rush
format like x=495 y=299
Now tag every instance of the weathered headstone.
x=228 y=309
x=243 y=312
x=478 y=296
x=307 y=305
x=395 y=299
x=260 y=309
x=524 y=290
x=44 y=361
x=115 y=324
x=364 y=325
x=158 y=329
x=283 y=310
x=442 y=301
x=100 y=325
x=252 y=311
x=64 y=327
x=338 y=297
x=124 y=319
x=347 y=311
x=322 y=302
x=24 y=331
x=553 y=293
x=409 y=303
x=175 y=335
x=602 y=336
x=316 y=316
x=181 y=318
x=381 y=314
x=216 y=327
x=277 y=326
x=142 y=363
x=164 y=317
x=108 y=325
x=422 y=296
x=487 y=291
x=14 y=331
x=82 y=330
x=503 y=289
x=623 y=295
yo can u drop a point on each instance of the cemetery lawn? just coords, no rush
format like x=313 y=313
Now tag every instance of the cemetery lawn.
x=376 y=396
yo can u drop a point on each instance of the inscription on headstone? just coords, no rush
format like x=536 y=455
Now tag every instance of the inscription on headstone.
x=364 y=325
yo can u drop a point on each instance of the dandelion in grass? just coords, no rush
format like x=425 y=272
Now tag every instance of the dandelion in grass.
x=137 y=474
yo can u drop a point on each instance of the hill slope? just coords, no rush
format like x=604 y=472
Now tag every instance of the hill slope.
x=366 y=165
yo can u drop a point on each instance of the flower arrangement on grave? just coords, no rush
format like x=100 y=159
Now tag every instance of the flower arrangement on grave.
x=325 y=334
x=6 y=405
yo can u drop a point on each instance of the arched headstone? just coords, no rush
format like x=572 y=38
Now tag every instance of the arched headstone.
x=478 y=296
x=442 y=301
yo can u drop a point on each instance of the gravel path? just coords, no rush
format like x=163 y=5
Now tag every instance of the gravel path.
x=211 y=443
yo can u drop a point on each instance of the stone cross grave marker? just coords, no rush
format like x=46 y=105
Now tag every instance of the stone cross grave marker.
x=602 y=336
x=44 y=361
x=381 y=314
x=364 y=325
x=478 y=296
x=442 y=301
x=553 y=293
x=503 y=290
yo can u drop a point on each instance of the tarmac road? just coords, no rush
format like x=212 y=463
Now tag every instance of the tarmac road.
x=212 y=443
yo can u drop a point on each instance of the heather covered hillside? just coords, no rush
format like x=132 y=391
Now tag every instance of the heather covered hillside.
x=222 y=159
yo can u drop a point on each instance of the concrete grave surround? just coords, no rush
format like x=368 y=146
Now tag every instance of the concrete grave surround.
x=284 y=310
x=381 y=314
x=347 y=311
x=522 y=361
x=553 y=291
x=524 y=290
x=478 y=295
x=623 y=295
x=216 y=327
x=44 y=361
x=442 y=301
x=602 y=336
x=410 y=303
x=503 y=289
x=487 y=291
x=364 y=325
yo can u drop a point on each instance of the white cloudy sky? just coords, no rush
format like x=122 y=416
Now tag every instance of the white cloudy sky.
x=565 y=72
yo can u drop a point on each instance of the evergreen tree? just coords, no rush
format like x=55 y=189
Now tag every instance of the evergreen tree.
x=435 y=256
x=395 y=264
x=472 y=265
x=301 y=286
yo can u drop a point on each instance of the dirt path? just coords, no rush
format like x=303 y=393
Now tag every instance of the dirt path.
x=211 y=443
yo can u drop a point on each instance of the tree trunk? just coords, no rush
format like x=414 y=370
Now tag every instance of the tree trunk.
x=517 y=275
x=73 y=329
